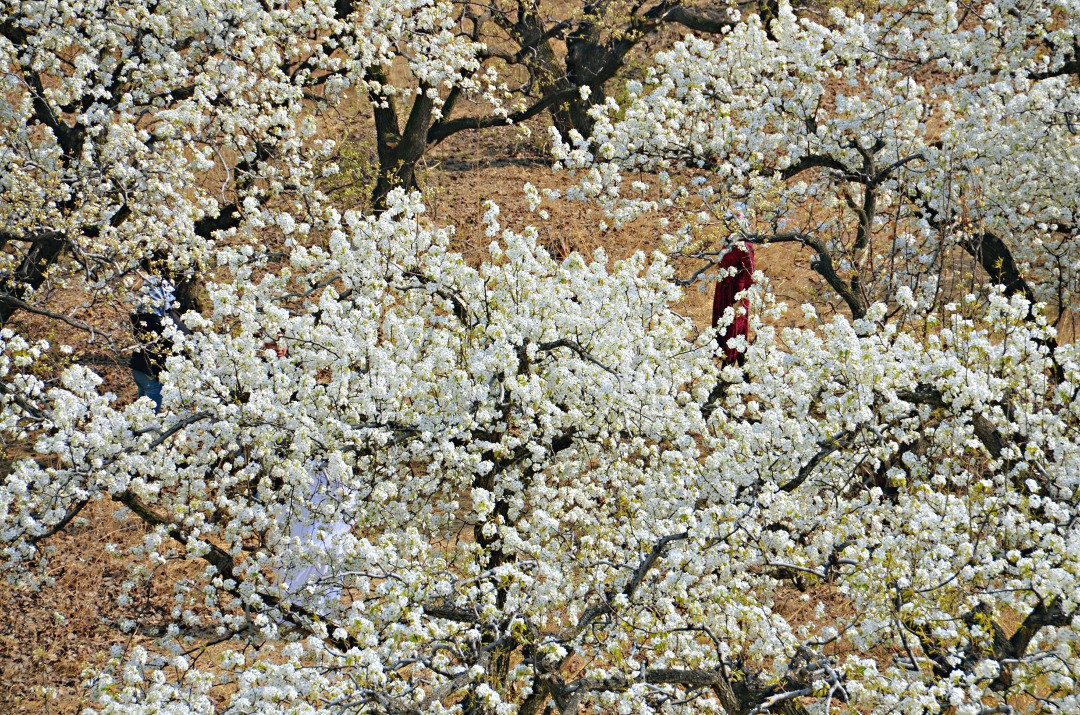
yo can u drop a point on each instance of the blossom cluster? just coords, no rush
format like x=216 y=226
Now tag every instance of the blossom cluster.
x=894 y=141
x=489 y=472
x=404 y=482
x=133 y=129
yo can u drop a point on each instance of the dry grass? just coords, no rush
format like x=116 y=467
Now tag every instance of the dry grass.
x=456 y=187
x=48 y=637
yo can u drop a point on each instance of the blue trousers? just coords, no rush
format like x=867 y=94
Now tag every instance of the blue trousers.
x=148 y=387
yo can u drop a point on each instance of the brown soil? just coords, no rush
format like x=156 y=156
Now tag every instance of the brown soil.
x=49 y=636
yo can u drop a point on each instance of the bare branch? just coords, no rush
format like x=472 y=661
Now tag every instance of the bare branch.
x=884 y=173
x=711 y=22
x=444 y=128
x=823 y=265
x=774 y=700
x=17 y=304
x=814 y=161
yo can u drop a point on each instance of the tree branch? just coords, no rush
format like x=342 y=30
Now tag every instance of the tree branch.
x=39 y=413
x=1044 y=614
x=830 y=445
x=984 y=429
x=228 y=217
x=576 y=347
x=16 y=303
x=823 y=265
x=217 y=557
x=450 y=613
x=643 y=568
x=884 y=173
x=1070 y=67
x=59 y=526
x=444 y=128
x=162 y=436
x=813 y=161
x=631 y=586
x=773 y=700
x=698 y=23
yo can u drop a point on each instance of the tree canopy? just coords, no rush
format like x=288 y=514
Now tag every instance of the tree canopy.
x=528 y=484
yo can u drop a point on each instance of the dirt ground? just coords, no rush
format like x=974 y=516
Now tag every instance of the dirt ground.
x=48 y=637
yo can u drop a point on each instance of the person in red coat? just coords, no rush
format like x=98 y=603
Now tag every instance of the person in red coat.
x=741 y=258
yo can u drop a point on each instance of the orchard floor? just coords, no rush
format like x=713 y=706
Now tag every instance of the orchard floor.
x=48 y=637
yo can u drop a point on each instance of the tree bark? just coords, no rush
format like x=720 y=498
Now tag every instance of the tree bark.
x=998 y=262
x=32 y=270
x=398 y=150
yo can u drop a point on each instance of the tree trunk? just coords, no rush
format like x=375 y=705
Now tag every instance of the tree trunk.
x=586 y=62
x=997 y=260
x=392 y=175
x=399 y=151
x=32 y=271
x=189 y=292
x=575 y=114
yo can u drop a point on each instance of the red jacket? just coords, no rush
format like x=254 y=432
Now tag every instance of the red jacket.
x=743 y=261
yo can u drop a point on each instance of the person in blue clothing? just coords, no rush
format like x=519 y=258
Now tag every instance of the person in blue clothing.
x=149 y=320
